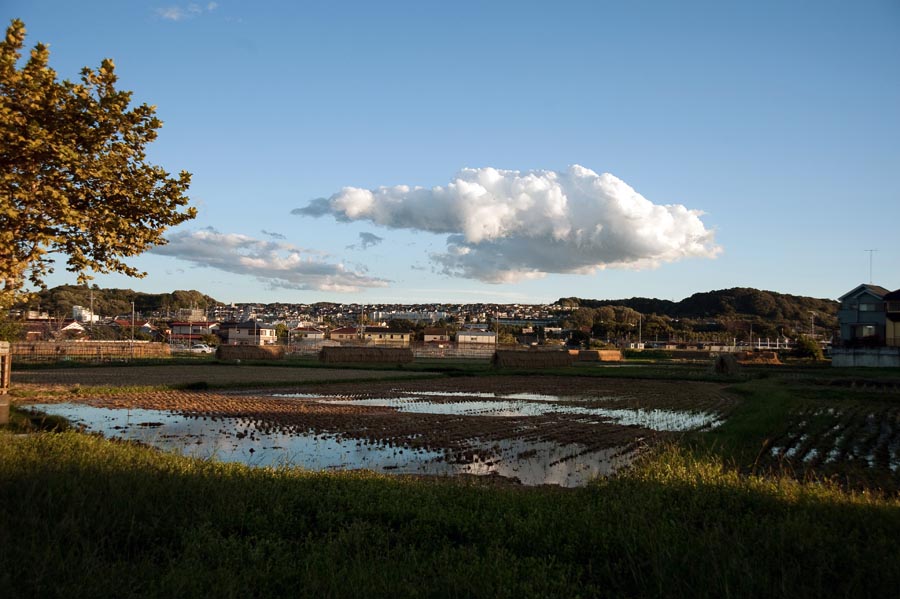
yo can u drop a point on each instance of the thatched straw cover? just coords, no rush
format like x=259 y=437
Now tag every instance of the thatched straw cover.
x=374 y=355
x=32 y=351
x=599 y=355
x=726 y=364
x=531 y=359
x=250 y=352
x=758 y=357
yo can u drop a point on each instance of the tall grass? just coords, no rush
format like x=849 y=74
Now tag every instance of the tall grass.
x=81 y=516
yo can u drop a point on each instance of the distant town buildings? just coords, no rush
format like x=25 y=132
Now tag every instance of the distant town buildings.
x=82 y=314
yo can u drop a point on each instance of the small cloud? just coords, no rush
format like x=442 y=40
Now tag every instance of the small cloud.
x=277 y=264
x=172 y=13
x=182 y=13
x=366 y=240
x=273 y=235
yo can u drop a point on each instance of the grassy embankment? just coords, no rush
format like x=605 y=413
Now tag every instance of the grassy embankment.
x=87 y=517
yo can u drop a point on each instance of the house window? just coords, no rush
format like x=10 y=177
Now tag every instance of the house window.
x=868 y=307
x=866 y=331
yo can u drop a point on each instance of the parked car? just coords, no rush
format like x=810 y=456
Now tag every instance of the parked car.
x=202 y=348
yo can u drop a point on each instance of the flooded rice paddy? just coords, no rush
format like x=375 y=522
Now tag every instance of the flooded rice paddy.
x=530 y=404
x=534 y=438
x=855 y=435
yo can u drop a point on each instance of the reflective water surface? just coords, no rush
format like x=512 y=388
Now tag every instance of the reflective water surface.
x=530 y=404
x=531 y=462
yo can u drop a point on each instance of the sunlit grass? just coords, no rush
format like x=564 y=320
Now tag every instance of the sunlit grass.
x=82 y=516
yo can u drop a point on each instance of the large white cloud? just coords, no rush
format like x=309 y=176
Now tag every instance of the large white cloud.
x=278 y=264
x=505 y=225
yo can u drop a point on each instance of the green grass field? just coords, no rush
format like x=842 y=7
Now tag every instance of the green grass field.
x=710 y=515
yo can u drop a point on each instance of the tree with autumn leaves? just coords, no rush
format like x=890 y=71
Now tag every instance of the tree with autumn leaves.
x=74 y=180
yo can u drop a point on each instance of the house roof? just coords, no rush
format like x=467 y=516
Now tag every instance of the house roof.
x=307 y=330
x=137 y=323
x=892 y=296
x=249 y=325
x=436 y=331
x=876 y=290
x=385 y=330
x=345 y=331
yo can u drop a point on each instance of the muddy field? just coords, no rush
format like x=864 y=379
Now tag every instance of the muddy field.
x=263 y=411
x=188 y=374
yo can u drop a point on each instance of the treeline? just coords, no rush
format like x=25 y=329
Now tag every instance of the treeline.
x=58 y=301
x=739 y=301
x=714 y=315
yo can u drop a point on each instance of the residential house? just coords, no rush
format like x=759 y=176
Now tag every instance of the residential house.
x=190 y=332
x=870 y=328
x=862 y=316
x=306 y=335
x=436 y=335
x=247 y=333
x=71 y=329
x=474 y=337
x=345 y=334
x=386 y=336
x=140 y=325
x=82 y=314
x=892 y=319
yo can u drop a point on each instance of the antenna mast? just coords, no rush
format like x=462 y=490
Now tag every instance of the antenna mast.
x=871 y=253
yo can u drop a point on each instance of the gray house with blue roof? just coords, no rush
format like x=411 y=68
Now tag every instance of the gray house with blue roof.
x=863 y=315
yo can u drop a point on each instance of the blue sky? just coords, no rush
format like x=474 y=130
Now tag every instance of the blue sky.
x=763 y=139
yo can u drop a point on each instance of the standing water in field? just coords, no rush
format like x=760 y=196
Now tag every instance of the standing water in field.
x=532 y=461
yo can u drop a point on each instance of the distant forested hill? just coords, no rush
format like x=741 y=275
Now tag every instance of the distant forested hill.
x=726 y=303
x=58 y=301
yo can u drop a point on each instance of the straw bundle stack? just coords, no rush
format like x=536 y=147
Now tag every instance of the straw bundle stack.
x=366 y=355
x=598 y=355
x=726 y=364
x=97 y=351
x=758 y=357
x=531 y=359
x=250 y=352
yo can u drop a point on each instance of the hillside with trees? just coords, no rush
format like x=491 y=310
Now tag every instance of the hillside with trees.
x=714 y=315
x=58 y=301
